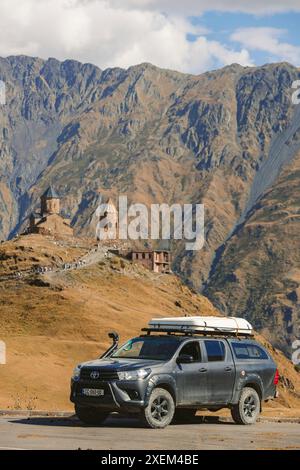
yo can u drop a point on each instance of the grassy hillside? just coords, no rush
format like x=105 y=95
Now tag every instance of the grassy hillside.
x=54 y=320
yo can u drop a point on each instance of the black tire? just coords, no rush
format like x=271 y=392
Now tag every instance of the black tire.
x=184 y=415
x=248 y=408
x=160 y=410
x=91 y=415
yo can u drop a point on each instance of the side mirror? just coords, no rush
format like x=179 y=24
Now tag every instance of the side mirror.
x=184 y=359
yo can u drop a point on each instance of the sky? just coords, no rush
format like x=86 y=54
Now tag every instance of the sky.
x=190 y=36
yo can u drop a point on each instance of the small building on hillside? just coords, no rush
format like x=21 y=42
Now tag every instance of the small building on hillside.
x=158 y=261
x=50 y=220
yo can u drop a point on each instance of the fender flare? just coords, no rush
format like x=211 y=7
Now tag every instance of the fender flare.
x=166 y=381
x=249 y=380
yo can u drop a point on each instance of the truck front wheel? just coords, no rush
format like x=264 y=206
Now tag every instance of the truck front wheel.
x=160 y=410
x=90 y=415
x=246 y=411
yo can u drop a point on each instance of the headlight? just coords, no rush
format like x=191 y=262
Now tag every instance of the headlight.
x=134 y=374
x=76 y=372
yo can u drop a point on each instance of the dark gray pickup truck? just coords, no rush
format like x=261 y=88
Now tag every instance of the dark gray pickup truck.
x=169 y=376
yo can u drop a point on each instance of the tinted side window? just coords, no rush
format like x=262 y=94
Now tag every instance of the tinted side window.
x=248 y=351
x=192 y=349
x=215 y=350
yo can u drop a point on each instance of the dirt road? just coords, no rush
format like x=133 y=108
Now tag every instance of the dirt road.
x=121 y=433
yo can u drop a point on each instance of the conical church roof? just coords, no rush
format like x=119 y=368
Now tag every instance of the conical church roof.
x=50 y=193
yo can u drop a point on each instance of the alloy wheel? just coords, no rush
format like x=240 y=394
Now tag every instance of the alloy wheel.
x=159 y=408
x=250 y=406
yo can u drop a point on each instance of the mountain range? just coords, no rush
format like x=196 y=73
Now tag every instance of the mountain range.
x=229 y=138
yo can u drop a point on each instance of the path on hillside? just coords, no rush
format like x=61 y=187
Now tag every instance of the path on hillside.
x=94 y=256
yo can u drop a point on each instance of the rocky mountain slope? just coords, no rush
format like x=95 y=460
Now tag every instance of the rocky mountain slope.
x=258 y=273
x=224 y=138
x=52 y=321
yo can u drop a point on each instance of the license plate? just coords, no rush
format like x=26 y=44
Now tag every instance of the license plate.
x=93 y=392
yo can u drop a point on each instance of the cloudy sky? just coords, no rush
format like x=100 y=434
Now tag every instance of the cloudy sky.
x=187 y=35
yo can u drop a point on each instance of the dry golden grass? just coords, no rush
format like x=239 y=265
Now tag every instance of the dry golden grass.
x=49 y=328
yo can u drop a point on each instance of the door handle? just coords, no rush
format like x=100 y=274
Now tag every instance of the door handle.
x=203 y=369
x=228 y=368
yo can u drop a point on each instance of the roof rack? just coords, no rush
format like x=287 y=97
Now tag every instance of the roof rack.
x=195 y=332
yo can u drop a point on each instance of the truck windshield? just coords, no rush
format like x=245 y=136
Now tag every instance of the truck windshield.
x=148 y=347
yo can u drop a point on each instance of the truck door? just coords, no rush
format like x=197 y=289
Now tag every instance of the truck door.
x=220 y=371
x=191 y=377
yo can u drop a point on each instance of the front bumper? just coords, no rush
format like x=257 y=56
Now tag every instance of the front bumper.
x=128 y=396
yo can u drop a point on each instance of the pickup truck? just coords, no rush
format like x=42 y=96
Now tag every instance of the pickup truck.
x=168 y=376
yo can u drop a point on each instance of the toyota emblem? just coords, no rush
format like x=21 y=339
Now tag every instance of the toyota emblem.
x=94 y=375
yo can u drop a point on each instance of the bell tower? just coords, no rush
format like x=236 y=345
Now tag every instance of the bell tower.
x=50 y=202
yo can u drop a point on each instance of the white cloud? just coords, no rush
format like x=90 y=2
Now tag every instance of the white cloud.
x=111 y=33
x=125 y=32
x=268 y=40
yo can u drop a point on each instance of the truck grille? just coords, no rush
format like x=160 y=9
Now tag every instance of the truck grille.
x=94 y=374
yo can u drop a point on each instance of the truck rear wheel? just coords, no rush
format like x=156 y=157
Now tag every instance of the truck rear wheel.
x=160 y=410
x=248 y=408
x=90 y=415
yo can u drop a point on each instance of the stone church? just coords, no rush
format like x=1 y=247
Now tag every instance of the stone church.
x=50 y=221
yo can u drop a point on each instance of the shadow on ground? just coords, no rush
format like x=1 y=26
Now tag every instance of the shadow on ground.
x=114 y=421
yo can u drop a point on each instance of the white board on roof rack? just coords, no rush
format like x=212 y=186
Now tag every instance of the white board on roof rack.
x=202 y=324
